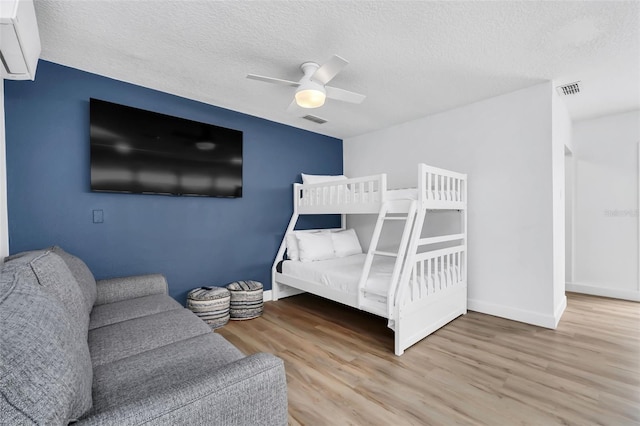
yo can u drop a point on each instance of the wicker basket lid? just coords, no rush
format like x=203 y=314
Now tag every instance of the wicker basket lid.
x=245 y=286
x=208 y=293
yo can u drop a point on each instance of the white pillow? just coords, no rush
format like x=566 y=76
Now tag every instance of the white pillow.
x=293 y=252
x=315 y=246
x=345 y=243
x=292 y=247
x=307 y=179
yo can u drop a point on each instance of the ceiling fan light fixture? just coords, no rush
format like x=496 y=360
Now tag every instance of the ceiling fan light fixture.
x=310 y=98
x=311 y=89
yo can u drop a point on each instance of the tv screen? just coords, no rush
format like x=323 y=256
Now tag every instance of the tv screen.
x=138 y=151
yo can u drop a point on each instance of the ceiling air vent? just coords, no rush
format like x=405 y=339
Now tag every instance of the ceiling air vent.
x=569 y=89
x=315 y=119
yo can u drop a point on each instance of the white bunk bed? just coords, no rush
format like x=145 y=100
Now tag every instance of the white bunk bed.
x=418 y=288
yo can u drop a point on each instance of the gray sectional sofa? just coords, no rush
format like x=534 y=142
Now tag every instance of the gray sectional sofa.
x=120 y=352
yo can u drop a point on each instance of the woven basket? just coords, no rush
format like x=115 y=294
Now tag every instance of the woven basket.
x=246 y=300
x=210 y=304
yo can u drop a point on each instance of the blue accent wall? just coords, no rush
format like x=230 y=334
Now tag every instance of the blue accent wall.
x=193 y=241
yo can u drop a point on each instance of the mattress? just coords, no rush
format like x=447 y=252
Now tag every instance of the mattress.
x=412 y=194
x=402 y=194
x=343 y=273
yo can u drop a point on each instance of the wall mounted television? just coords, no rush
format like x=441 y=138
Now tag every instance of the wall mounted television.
x=144 y=152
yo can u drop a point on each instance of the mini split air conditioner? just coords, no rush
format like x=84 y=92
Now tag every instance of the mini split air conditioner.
x=19 y=40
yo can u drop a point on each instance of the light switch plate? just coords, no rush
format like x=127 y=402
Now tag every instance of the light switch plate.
x=98 y=216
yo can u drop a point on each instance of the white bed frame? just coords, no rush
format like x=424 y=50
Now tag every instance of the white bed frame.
x=415 y=305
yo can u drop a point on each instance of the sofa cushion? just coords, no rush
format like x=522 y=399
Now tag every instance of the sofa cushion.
x=82 y=274
x=45 y=368
x=30 y=253
x=202 y=380
x=124 y=310
x=127 y=338
x=78 y=268
x=159 y=370
x=117 y=289
x=54 y=275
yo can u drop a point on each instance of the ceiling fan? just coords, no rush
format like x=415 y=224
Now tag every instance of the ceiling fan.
x=312 y=89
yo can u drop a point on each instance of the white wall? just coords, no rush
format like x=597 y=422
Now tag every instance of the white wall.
x=561 y=142
x=606 y=213
x=4 y=224
x=504 y=144
x=569 y=216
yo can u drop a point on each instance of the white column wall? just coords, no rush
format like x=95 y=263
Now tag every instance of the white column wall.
x=606 y=206
x=569 y=216
x=504 y=144
x=4 y=223
x=561 y=141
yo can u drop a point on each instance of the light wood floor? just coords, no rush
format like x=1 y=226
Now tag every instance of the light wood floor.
x=478 y=369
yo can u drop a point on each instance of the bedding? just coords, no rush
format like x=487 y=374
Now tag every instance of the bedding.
x=293 y=251
x=315 y=246
x=292 y=247
x=412 y=194
x=310 y=179
x=321 y=244
x=345 y=243
x=402 y=194
x=343 y=273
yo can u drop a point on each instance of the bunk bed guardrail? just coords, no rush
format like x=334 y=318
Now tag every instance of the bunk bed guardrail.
x=433 y=271
x=439 y=188
x=355 y=195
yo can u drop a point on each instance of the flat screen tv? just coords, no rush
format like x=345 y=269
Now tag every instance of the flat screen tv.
x=144 y=152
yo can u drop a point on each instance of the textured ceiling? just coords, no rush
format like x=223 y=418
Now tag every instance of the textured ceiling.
x=411 y=59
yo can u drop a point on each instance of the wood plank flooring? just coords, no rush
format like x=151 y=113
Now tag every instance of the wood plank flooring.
x=479 y=369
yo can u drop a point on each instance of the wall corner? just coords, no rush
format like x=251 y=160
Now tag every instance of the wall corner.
x=4 y=222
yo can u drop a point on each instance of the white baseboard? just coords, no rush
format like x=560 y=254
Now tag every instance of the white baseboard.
x=615 y=293
x=267 y=295
x=557 y=314
x=515 y=314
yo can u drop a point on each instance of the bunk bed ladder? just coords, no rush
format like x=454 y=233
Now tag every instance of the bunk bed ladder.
x=409 y=264
x=383 y=216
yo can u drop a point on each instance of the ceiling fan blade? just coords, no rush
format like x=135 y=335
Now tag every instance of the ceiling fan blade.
x=273 y=80
x=329 y=69
x=344 y=95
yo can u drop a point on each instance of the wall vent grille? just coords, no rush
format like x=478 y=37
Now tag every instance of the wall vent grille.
x=315 y=119
x=569 y=89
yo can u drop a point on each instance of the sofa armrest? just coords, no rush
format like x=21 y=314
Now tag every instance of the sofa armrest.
x=117 y=289
x=249 y=391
